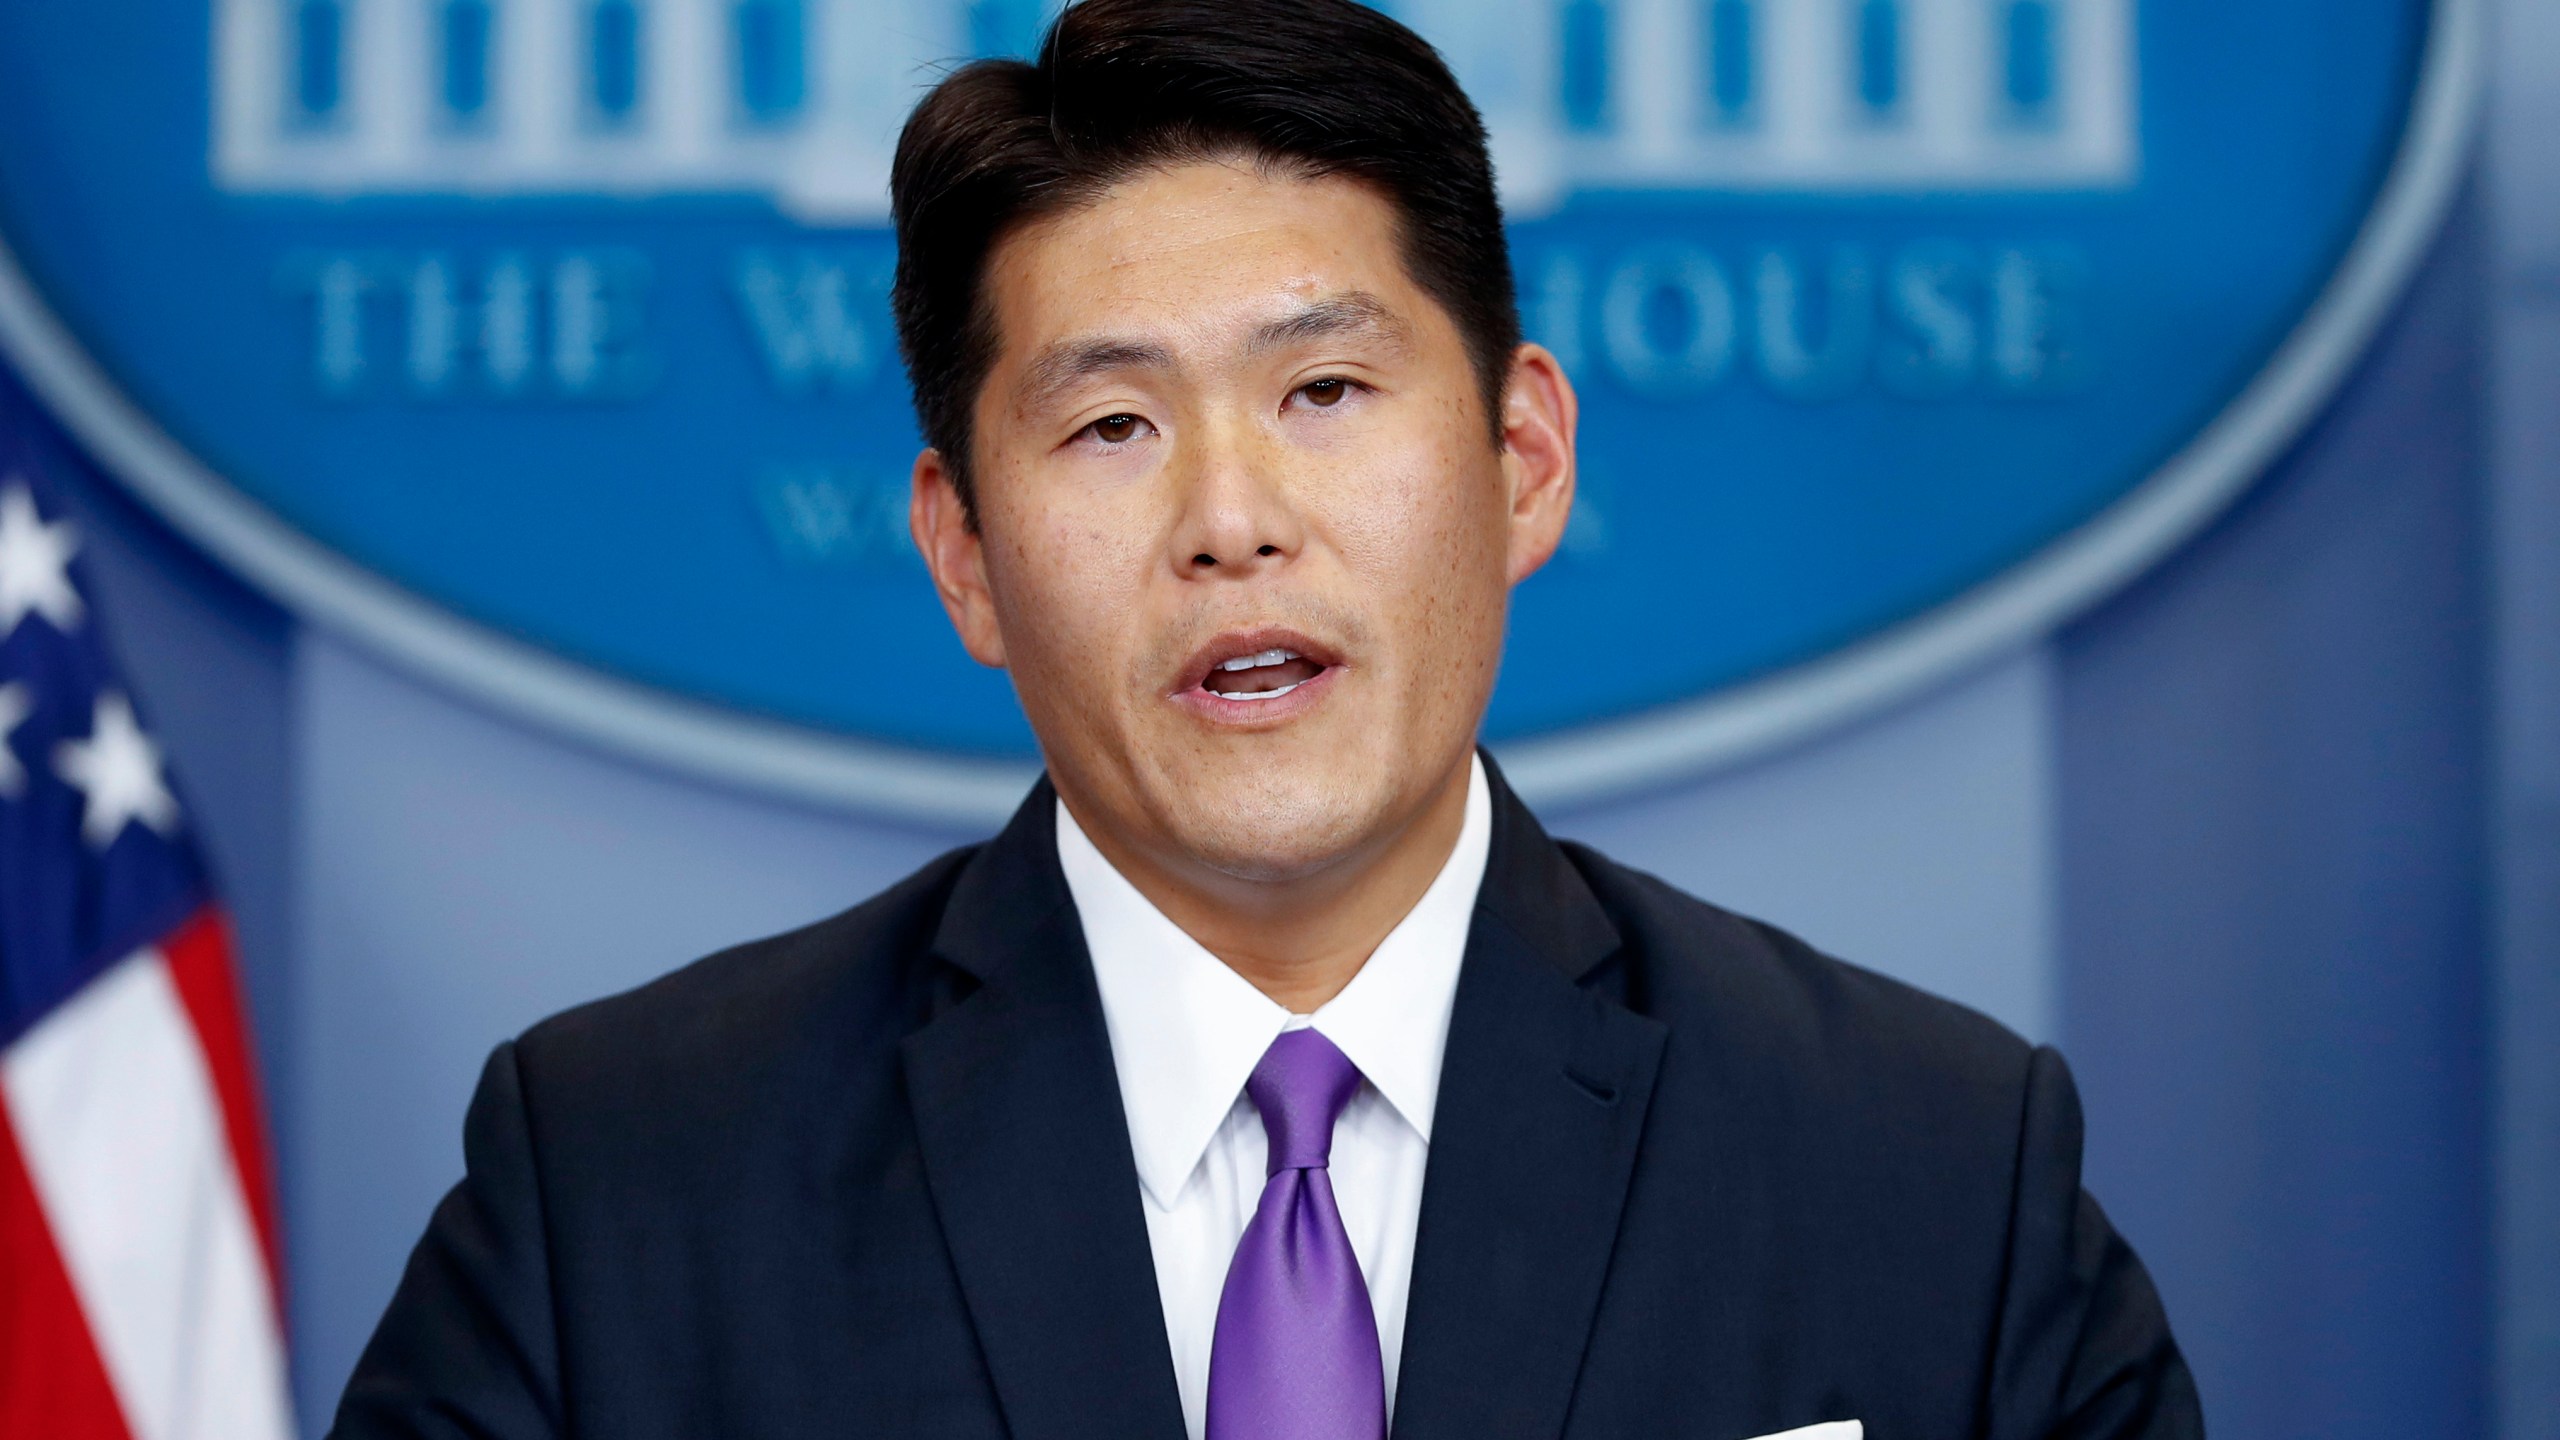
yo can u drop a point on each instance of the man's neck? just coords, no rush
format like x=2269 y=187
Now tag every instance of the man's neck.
x=1300 y=940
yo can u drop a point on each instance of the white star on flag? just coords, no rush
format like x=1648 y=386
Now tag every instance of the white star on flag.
x=16 y=703
x=118 y=769
x=35 y=561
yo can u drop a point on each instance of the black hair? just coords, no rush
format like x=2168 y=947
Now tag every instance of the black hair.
x=1309 y=87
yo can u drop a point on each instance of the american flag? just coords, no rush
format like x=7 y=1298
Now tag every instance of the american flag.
x=138 y=1275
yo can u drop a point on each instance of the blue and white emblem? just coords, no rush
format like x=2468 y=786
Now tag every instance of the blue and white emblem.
x=544 y=343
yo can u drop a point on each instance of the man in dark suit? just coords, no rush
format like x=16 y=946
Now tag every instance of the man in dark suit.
x=1273 y=1075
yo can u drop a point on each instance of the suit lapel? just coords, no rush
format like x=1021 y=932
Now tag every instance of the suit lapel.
x=1543 y=1093
x=1026 y=1150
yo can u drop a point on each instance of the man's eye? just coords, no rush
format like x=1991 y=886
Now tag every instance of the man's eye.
x=1115 y=429
x=1325 y=392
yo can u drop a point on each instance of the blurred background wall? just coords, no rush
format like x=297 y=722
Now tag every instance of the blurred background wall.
x=2269 y=843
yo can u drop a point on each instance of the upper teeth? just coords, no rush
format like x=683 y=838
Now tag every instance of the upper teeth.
x=1267 y=657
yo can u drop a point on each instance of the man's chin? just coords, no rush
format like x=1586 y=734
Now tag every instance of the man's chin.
x=1274 y=827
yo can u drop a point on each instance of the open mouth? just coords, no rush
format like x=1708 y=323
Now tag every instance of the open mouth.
x=1262 y=675
x=1245 y=670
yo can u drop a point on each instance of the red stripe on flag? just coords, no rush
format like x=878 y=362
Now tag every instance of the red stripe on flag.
x=199 y=956
x=52 y=1384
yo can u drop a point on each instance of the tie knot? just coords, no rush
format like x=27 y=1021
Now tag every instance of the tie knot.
x=1300 y=1087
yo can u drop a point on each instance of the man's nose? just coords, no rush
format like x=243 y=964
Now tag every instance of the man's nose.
x=1238 y=516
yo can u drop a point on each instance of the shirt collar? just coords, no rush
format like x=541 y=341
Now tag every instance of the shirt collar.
x=1186 y=1031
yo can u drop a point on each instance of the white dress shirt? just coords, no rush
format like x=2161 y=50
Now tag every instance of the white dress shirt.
x=1186 y=1031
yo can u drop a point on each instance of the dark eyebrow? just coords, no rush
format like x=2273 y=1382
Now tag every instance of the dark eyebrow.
x=1069 y=362
x=1345 y=314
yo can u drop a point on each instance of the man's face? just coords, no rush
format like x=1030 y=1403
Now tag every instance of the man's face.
x=1245 y=534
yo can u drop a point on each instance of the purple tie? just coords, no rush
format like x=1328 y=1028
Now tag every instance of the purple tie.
x=1296 y=1353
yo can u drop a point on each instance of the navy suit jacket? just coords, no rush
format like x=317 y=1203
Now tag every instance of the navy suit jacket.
x=1688 y=1178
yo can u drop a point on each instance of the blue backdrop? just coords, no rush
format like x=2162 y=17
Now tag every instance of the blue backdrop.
x=1861 y=321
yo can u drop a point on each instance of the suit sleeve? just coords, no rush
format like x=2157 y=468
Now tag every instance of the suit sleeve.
x=2083 y=1350
x=467 y=1348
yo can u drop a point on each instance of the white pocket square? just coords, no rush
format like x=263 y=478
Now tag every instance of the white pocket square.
x=1828 y=1430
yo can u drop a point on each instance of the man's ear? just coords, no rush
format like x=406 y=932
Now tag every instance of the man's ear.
x=948 y=540
x=1539 y=413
